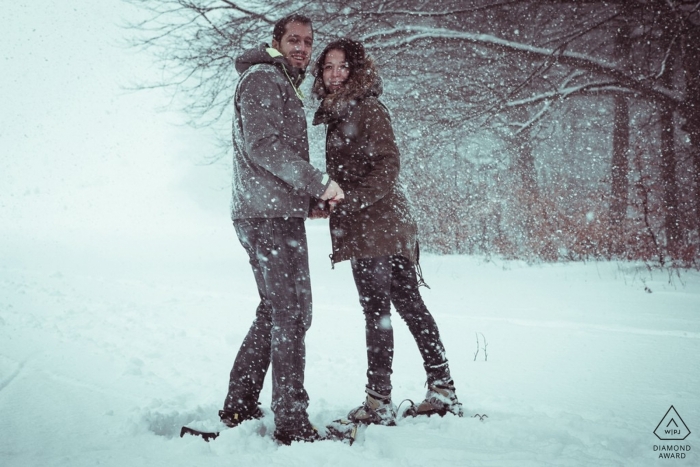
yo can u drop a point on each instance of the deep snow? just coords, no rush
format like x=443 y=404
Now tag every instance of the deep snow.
x=109 y=344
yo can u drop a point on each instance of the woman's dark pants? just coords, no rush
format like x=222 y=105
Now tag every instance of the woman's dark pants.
x=380 y=282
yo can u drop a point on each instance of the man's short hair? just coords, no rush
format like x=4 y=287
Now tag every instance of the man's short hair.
x=281 y=25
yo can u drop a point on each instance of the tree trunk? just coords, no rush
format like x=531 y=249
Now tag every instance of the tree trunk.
x=525 y=165
x=524 y=162
x=619 y=172
x=669 y=182
x=527 y=194
x=691 y=108
x=619 y=166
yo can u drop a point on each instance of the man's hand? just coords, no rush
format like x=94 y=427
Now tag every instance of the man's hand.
x=333 y=192
x=319 y=209
x=319 y=214
x=332 y=203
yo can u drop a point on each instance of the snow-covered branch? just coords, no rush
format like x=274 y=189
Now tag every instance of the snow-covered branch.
x=402 y=36
x=607 y=87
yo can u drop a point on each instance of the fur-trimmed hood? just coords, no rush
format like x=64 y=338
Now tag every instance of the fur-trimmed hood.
x=364 y=82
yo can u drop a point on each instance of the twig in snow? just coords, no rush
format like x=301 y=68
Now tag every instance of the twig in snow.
x=479 y=346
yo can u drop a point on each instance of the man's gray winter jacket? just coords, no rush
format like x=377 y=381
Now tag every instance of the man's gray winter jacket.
x=272 y=176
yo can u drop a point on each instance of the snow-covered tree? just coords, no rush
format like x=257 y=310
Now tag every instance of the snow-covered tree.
x=522 y=123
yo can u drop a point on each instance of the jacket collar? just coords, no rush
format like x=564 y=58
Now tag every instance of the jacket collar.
x=266 y=54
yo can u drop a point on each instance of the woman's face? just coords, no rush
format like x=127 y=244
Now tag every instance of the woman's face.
x=335 y=70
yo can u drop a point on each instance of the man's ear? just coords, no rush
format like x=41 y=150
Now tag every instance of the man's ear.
x=275 y=44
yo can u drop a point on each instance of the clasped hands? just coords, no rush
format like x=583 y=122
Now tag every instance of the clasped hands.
x=322 y=208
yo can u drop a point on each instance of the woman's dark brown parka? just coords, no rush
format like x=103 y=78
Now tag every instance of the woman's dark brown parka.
x=362 y=157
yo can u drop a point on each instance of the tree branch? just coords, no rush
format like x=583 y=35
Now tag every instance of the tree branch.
x=406 y=35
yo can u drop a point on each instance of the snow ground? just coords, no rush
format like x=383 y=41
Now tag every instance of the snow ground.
x=108 y=343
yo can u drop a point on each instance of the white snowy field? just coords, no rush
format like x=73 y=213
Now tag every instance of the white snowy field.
x=108 y=343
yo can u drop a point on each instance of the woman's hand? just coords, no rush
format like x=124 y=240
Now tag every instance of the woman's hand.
x=333 y=192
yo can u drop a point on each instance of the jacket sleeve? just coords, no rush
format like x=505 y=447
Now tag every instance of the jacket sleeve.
x=383 y=155
x=265 y=131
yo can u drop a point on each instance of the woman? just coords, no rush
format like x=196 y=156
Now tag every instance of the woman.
x=373 y=228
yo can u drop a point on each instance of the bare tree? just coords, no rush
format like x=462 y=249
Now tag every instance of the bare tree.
x=466 y=77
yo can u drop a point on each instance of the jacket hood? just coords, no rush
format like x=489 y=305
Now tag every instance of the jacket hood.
x=364 y=82
x=266 y=54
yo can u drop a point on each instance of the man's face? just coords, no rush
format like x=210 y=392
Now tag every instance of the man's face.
x=296 y=44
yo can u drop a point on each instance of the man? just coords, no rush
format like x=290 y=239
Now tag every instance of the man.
x=273 y=186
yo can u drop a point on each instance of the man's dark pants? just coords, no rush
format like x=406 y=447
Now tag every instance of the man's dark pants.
x=279 y=257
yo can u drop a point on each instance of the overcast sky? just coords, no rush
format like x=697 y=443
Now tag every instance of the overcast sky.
x=77 y=151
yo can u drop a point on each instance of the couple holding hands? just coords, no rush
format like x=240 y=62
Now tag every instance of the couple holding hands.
x=275 y=189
